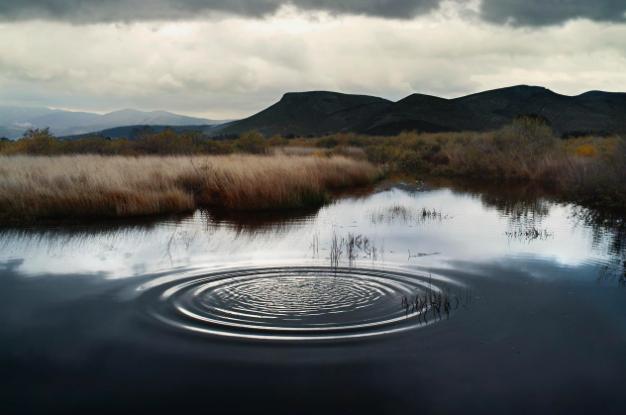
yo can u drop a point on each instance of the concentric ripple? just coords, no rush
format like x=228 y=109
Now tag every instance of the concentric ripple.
x=291 y=303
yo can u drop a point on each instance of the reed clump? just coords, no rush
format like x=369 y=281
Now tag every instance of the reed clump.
x=33 y=188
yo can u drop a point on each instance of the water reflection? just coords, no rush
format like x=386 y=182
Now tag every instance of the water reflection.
x=396 y=225
x=609 y=233
x=258 y=223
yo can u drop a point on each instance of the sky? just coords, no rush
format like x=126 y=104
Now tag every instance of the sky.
x=226 y=59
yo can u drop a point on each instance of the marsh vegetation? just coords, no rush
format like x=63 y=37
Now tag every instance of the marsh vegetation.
x=588 y=169
x=434 y=305
x=254 y=172
x=33 y=188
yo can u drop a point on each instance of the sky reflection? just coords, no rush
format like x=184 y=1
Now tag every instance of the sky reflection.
x=467 y=227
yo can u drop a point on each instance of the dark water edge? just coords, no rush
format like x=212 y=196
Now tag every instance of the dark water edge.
x=541 y=334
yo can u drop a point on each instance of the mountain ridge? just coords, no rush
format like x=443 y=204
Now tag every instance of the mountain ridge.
x=316 y=113
x=309 y=113
x=312 y=113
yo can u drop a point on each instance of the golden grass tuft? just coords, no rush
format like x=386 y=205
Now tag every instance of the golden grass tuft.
x=586 y=150
x=34 y=188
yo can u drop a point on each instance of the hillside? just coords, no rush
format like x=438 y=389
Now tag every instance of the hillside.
x=311 y=113
x=318 y=113
x=420 y=112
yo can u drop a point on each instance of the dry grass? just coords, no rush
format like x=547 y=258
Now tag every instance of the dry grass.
x=34 y=188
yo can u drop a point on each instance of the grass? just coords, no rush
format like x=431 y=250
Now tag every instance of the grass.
x=34 y=187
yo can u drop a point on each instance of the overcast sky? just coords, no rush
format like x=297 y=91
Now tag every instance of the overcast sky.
x=230 y=58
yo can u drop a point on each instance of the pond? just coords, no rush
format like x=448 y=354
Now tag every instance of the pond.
x=412 y=297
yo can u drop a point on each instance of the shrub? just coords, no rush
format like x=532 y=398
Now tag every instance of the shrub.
x=277 y=141
x=252 y=142
x=526 y=137
x=37 y=141
x=328 y=142
x=216 y=147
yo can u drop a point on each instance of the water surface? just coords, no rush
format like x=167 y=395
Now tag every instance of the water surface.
x=438 y=299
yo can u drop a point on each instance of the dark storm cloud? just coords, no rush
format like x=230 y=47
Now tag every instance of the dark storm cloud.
x=517 y=12
x=549 y=12
x=88 y=11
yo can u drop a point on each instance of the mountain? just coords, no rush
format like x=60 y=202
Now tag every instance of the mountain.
x=566 y=114
x=310 y=113
x=15 y=120
x=8 y=132
x=319 y=112
x=420 y=112
x=322 y=112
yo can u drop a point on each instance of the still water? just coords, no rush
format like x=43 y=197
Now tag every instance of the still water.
x=437 y=299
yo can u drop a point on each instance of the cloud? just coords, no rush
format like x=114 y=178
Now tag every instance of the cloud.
x=549 y=12
x=516 y=12
x=97 y=11
x=236 y=66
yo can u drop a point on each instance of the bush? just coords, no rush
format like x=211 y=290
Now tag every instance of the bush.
x=412 y=162
x=328 y=142
x=252 y=142
x=526 y=137
x=37 y=141
x=216 y=147
x=166 y=142
x=4 y=143
x=277 y=141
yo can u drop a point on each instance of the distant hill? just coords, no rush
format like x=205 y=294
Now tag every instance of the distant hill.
x=133 y=132
x=318 y=113
x=311 y=113
x=15 y=120
x=7 y=132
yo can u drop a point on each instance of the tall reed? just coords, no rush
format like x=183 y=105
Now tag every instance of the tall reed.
x=34 y=188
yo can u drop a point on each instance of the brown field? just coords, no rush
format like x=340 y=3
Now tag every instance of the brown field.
x=34 y=187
